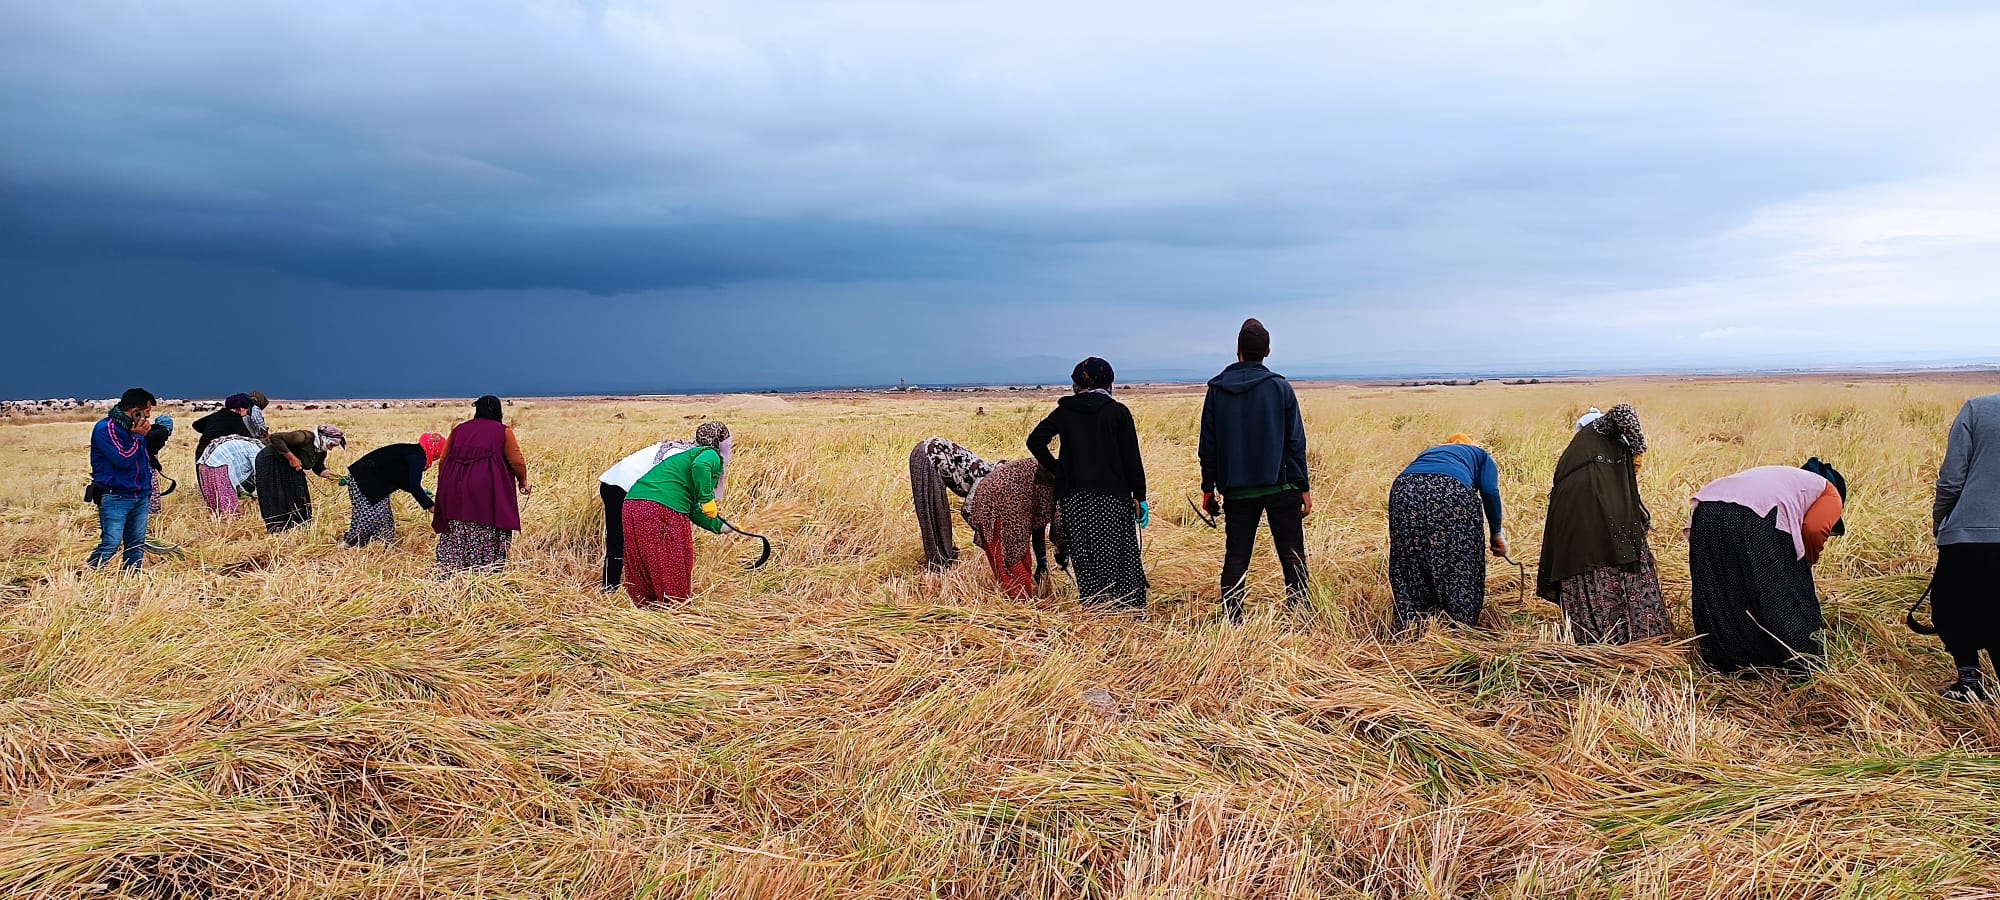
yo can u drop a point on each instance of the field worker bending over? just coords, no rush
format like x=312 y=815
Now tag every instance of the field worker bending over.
x=226 y=470
x=612 y=487
x=660 y=512
x=1965 y=596
x=156 y=444
x=479 y=474
x=121 y=480
x=1752 y=543
x=254 y=417
x=232 y=420
x=936 y=466
x=1011 y=511
x=1100 y=488
x=1436 y=508
x=282 y=494
x=1253 y=454
x=380 y=473
x=1596 y=563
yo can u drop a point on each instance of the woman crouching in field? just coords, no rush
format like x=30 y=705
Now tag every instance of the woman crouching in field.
x=480 y=471
x=937 y=466
x=1436 y=506
x=282 y=495
x=226 y=470
x=1012 y=511
x=1596 y=564
x=617 y=481
x=1100 y=488
x=378 y=474
x=1752 y=542
x=660 y=512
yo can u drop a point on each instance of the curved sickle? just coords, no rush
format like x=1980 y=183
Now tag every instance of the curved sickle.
x=762 y=557
x=1910 y=618
x=1204 y=517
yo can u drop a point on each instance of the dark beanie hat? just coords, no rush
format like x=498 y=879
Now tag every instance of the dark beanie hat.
x=1092 y=373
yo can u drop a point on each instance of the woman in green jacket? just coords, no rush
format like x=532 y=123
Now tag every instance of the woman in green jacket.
x=660 y=513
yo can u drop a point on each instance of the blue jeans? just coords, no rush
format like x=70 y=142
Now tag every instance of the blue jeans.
x=122 y=517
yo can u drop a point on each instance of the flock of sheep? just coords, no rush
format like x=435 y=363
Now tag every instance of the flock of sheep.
x=23 y=408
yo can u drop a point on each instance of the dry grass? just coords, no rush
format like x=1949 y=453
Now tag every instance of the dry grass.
x=275 y=717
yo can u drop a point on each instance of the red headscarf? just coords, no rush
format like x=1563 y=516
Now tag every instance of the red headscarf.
x=433 y=444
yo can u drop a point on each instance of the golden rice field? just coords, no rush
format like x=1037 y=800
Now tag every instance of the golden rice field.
x=275 y=717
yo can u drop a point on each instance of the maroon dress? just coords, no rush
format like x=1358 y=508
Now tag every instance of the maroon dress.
x=477 y=510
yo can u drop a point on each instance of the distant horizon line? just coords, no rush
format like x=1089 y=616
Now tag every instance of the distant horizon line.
x=1163 y=377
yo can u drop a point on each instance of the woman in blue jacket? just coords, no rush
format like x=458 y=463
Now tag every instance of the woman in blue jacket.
x=1436 y=507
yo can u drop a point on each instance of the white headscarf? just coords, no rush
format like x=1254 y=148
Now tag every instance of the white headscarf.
x=1588 y=418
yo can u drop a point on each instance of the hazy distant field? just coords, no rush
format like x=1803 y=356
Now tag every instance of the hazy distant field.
x=277 y=717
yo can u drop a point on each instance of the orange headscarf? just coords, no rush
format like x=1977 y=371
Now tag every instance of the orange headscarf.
x=1460 y=438
x=433 y=444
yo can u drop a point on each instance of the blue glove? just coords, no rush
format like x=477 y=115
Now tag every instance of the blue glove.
x=1145 y=516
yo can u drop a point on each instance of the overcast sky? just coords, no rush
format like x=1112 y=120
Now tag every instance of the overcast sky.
x=451 y=197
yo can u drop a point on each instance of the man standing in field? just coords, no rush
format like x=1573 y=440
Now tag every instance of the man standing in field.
x=121 y=479
x=1966 y=518
x=1253 y=454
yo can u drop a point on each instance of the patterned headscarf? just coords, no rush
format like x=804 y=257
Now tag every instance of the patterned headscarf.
x=960 y=468
x=1622 y=422
x=1093 y=374
x=238 y=401
x=329 y=436
x=711 y=434
x=433 y=444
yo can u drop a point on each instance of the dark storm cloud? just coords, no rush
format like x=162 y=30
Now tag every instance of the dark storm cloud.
x=1151 y=170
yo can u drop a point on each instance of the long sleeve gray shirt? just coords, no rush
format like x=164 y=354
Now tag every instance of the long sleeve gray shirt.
x=1967 y=510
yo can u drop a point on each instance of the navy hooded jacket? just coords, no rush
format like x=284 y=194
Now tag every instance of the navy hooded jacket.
x=1251 y=433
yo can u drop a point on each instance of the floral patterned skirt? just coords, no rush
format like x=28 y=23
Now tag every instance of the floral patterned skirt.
x=470 y=547
x=1615 y=604
x=1437 y=550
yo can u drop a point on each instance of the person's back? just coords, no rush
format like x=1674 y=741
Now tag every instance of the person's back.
x=1250 y=434
x=1473 y=467
x=1253 y=454
x=391 y=468
x=1100 y=447
x=480 y=473
x=1967 y=509
x=684 y=483
x=1465 y=462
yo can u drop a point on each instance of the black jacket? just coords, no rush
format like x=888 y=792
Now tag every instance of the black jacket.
x=1251 y=433
x=386 y=470
x=1100 y=448
x=217 y=424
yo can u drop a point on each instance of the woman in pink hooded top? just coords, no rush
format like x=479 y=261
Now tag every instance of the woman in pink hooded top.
x=1752 y=543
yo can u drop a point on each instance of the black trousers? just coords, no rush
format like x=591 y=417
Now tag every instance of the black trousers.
x=614 y=534
x=1965 y=602
x=1288 y=535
